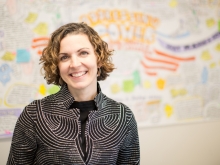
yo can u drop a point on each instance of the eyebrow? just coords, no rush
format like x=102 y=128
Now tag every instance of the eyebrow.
x=81 y=49
x=77 y=51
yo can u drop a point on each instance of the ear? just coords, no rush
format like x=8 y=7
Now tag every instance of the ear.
x=99 y=64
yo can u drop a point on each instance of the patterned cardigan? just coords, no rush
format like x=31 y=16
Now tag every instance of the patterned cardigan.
x=47 y=133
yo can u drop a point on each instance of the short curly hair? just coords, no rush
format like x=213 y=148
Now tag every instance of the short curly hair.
x=49 y=58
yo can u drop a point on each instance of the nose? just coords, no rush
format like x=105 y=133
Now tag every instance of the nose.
x=75 y=61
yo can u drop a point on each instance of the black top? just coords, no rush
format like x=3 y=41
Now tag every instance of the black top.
x=85 y=107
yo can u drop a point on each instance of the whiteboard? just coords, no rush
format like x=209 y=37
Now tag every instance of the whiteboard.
x=167 y=55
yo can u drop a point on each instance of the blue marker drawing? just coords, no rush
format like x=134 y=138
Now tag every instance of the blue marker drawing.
x=23 y=56
x=204 y=75
x=177 y=36
x=5 y=71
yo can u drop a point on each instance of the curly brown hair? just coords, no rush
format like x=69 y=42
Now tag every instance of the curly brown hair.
x=49 y=58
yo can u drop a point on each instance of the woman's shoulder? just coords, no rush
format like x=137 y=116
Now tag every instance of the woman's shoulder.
x=117 y=104
x=49 y=98
x=115 y=107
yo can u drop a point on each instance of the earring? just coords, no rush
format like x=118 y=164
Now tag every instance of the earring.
x=61 y=81
x=99 y=72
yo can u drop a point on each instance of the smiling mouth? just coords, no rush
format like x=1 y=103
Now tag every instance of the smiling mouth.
x=79 y=74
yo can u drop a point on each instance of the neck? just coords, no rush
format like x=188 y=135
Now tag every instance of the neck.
x=83 y=94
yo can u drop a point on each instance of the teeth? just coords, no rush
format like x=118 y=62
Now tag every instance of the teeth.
x=78 y=74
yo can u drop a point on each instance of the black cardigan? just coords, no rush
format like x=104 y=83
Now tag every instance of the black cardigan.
x=47 y=132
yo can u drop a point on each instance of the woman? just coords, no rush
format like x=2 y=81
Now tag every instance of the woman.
x=79 y=124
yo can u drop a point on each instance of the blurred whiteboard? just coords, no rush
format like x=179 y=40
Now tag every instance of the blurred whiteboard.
x=167 y=55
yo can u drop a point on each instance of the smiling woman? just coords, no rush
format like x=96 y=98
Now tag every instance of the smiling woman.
x=78 y=66
x=78 y=124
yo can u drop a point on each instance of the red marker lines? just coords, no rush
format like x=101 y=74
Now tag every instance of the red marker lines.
x=174 y=57
x=39 y=44
x=158 y=67
x=162 y=61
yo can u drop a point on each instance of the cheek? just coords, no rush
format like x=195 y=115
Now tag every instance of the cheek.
x=92 y=62
x=61 y=68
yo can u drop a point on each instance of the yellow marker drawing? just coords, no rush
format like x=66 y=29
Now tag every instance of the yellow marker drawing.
x=41 y=29
x=173 y=3
x=160 y=83
x=174 y=92
x=8 y=56
x=182 y=92
x=31 y=18
x=115 y=88
x=42 y=89
x=217 y=47
x=152 y=106
x=123 y=21
x=178 y=92
x=210 y=22
x=212 y=65
x=168 y=110
x=147 y=84
x=206 y=56
x=219 y=25
x=15 y=97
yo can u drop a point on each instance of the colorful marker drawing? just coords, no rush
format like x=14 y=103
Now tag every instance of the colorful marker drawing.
x=183 y=48
x=5 y=71
x=162 y=61
x=39 y=44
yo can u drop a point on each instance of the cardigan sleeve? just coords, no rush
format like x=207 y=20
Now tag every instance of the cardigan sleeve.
x=23 y=146
x=129 y=154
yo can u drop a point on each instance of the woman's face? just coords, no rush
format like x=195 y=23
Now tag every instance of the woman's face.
x=78 y=63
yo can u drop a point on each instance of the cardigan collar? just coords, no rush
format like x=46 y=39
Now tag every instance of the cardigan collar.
x=64 y=97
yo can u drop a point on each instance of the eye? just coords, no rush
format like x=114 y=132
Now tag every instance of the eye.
x=64 y=57
x=84 y=53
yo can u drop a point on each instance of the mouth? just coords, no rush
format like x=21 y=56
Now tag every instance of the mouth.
x=78 y=74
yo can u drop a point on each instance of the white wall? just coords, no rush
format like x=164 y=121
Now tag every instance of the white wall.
x=191 y=144
x=4 y=150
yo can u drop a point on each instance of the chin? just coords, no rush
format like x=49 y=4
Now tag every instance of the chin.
x=77 y=86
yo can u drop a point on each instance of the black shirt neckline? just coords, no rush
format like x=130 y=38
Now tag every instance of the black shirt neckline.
x=84 y=105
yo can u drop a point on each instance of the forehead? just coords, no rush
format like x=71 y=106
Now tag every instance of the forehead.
x=75 y=42
x=75 y=39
